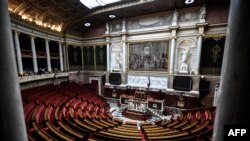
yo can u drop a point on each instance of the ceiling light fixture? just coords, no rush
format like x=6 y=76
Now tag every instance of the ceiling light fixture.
x=95 y=3
x=87 y=24
x=112 y=16
x=189 y=1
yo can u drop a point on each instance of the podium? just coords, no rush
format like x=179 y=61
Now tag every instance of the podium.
x=137 y=106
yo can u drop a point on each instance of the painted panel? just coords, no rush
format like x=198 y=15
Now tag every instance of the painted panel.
x=149 y=56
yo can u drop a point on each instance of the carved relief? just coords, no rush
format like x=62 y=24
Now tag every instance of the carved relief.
x=158 y=82
x=188 y=15
x=150 y=21
x=138 y=81
x=147 y=81
x=116 y=26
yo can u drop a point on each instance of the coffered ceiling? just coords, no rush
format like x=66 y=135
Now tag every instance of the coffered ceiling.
x=69 y=16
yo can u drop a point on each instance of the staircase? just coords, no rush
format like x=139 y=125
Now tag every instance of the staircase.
x=143 y=135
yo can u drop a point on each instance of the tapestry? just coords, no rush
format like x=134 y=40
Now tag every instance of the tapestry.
x=212 y=55
x=101 y=56
x=88 y=57
x=75 y=58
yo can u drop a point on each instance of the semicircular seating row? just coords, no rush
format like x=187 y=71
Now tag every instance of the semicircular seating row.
x=72 y=112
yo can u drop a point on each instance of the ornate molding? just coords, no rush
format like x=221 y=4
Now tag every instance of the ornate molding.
x=33 y=27
x=214 y=35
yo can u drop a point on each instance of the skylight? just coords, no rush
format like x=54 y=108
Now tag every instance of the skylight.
x=95 y=3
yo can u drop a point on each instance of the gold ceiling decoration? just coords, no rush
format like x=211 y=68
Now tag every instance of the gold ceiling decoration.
x=27 y=13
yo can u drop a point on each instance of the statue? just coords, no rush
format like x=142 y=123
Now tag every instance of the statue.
x=184 y=65
x=184 y=55
x=202 y=13
x=174 y=22
x=116 y=57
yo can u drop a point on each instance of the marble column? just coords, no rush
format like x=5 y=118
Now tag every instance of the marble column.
x=108 y=46
x=198 y=57
x=233 y=97
x=48 y=55
x=108 y=54
x=82 y=58
x=33 y=49
x=124 y=56
x=172 y=50
x=67 y=57
x=124 y=40
x=61 y=56
x=94 y=57
x=11 y=110
x=18 y=53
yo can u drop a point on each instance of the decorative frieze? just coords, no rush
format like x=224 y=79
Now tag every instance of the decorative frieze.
x=147 y=81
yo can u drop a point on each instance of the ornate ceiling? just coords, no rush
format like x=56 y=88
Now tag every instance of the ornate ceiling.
x=69 y=16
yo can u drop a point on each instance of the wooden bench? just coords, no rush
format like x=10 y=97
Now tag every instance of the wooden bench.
x=124 y=133
x=57 y=113
x=125 y=130
x=192 y=124
x=174 y=122
x=75 y=127
x=41 y=133
x=92 y=124
x=84 y=125
x=157 y=130
x=113 y=122
x=200 y=127
x=181 y=124
x=58 y=133
x=97 y=121
x=33 y=117
x=107 y=123
x=69 y=130
x=171 y=136
x=162 y=133
x=120 y=136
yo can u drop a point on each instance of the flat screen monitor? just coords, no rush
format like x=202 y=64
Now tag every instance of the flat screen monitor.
x=183 y=83
x=115 y=78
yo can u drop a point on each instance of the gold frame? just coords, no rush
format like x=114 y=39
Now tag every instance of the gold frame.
x=143 y=41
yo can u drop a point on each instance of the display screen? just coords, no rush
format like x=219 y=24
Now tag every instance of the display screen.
x=115 y=78
x=183 y=83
